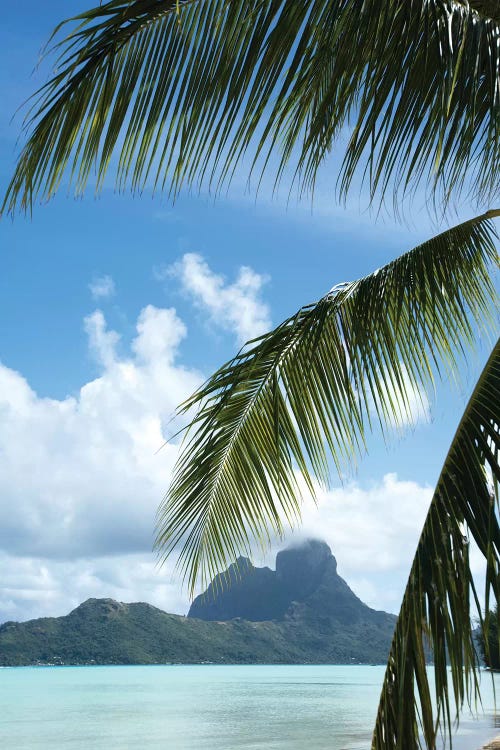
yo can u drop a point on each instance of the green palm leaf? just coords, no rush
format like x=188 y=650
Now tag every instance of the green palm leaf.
x=179 y=90
x=436 y=607
x=309 y=390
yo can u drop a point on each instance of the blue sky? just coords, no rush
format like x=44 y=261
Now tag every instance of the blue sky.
x=111 y=309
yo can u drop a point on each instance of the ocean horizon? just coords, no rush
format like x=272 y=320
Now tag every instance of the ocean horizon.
x=218 y=707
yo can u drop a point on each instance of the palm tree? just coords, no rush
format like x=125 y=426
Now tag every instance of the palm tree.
x=167 y=93
x=489 y=641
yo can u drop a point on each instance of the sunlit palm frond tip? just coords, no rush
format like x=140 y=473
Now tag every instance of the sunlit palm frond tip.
x=178 y=91
x=308 y=391
x=436 y=610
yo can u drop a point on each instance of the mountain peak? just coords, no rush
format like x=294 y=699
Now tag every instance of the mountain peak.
x=305 y=576
x=100 y=603
x=98 y=608
x=303 y=566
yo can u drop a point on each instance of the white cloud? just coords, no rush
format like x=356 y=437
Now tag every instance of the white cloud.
x=235 y=307
x=102 y=343
x=81 y=477
x=102 y=287
x=372 y=528
x=37 y=587
x=160 y=333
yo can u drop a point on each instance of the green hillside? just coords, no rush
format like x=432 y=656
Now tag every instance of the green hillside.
x=326 y=623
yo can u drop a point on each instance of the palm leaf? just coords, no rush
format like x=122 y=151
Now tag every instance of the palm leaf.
x=436 y=608
x=308 y=391
x=180 y=90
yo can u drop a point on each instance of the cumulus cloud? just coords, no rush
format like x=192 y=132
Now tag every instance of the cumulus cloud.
x=82 y=477
x=373 y=527
x=102 y=287
x=234 y=307
x=102 y=343
x=37 y=587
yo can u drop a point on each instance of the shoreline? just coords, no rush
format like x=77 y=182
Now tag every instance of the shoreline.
x=476 y=734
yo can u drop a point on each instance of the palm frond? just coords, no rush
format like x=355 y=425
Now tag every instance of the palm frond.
x=436 y=608
x=180 y=90
x=309 y=389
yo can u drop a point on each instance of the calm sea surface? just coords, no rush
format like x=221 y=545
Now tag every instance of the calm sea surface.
x=201 y=708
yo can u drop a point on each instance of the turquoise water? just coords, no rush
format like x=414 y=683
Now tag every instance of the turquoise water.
x=195 y=707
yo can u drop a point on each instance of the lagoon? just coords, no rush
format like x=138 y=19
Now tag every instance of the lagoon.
x=184 y=707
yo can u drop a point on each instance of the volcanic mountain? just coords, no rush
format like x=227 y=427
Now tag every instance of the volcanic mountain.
x=303 y=612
